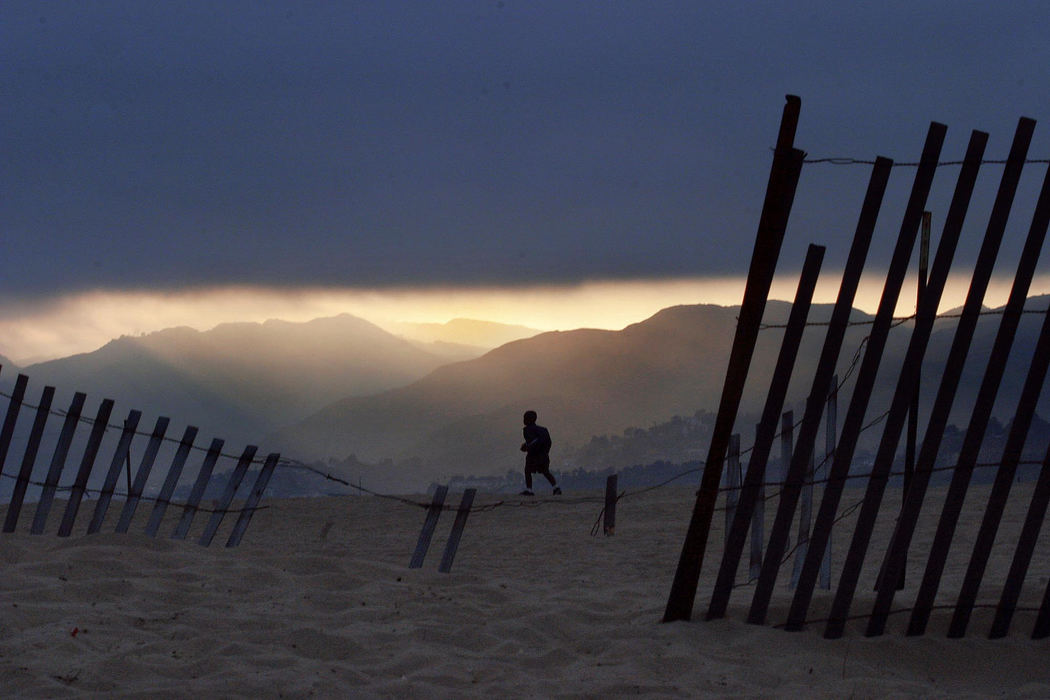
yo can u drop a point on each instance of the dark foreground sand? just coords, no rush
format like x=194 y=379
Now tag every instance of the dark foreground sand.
x=319 y=601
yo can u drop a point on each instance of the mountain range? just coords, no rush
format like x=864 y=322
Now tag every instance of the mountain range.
x=344 y=390
x=465 y=417
x=244 y=380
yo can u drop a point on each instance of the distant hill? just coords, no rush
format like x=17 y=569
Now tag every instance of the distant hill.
x=7 y=365
x=242 y=379
x=465 y=418
x=460 y=338
x=462 y=417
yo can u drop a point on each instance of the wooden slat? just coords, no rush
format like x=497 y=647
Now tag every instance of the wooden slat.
x=967 y=460
x=168 y=489
x=896 y=557
x=58 y=463
x=252 y=503
x=866 y=376
x=228 y=495
x=821 y=385
x=86 y=465
x=780 y=195
x=120 y=454
x=14 y=406
x=461 y=522
x=733 y=478
x=1004 y=477
x=425 y=535
x=758 y=523
x=893 y=425
x=752 y=495
x=830 y=433
x=1042 y=620
x=1026 y=542
x=29 y=459
x=609 y=513
x=805 y=520
x=787 y=442
x=142 y=475
x=199 y=486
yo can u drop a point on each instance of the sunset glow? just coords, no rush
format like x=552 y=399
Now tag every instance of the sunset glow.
x=84 y=322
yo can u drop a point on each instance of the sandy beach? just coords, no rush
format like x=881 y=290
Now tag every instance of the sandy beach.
x=319 y=601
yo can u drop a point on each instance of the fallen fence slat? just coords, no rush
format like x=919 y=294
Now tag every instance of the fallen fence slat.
x=461 y=522
x=145 y=466
x=86 y=465
x=58 y=462
x=228 y=495
x=29 y=459
x=252 y=502
x=168 y=489
x=203 y=476
x=433 y=513
x=866 y=376
x=115 y=465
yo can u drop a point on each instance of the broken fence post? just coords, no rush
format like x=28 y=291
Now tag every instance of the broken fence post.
x=457 y=531
x=609 y=514
x=425 y=535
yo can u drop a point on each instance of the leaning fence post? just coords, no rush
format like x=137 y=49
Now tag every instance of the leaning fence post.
x=120 y=455
x=866 y=375
x=227 y=495
x=86 y=465
x=609 y=514
x=787 y=441
x=831 y=431
x=14 y=405
x=758 y=520
x=142 y=475
x=199 y=486
x=805 y=519
x=1026 y=542
x=168 y=489
x=29 y=459
x=252 y=502
x=897 y=415
x=457 y=531
x=433 y=513
x=58 y=462
x=780 y=194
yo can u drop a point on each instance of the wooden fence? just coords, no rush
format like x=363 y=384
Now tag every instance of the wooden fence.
x=49 y=485
x=787 y=164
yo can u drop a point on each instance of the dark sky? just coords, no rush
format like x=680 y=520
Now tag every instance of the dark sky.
x=167 y=145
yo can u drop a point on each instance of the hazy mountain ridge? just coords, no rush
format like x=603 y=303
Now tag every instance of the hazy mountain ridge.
x=343 y=387
x=465 y=418
x=241 y=379
x=463 y=331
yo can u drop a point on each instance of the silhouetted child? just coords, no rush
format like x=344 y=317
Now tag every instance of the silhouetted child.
x=537 y=447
